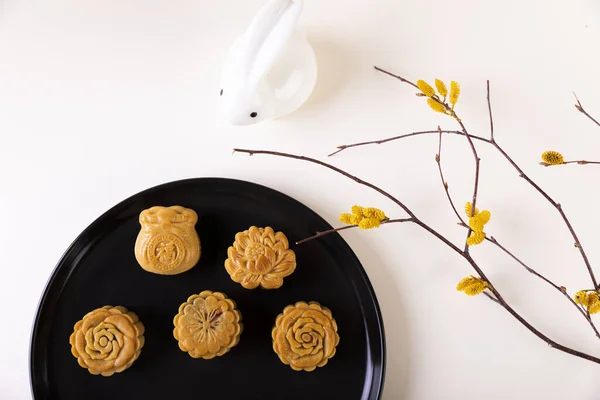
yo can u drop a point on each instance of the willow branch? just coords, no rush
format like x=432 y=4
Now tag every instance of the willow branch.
x=324 y=233
x=393 y=138
x=561 y=289
x=343 y=228
x=443 y=239
x=519 y=171
x=451 y=112
x=489 y=103
x=438 y=160
x=555 y=205
x=529 y=269
x=476 y=184
x=331 y=167
x=396 y=76
x=580 y=108
x=493 y=240
x=492 y=298
x=364 y=183
x=580 y=162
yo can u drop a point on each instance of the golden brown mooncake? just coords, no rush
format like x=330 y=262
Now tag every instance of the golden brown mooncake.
x=260 y=257
x=167 y=243
x=305 y=336
x=107 y=340
x=207 y=325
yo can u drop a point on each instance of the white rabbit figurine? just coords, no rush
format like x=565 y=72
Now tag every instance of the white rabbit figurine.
x=271 y=69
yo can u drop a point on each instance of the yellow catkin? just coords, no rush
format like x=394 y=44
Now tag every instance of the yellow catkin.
x=484 y=216
x=441 y=87
x=346 y=219
x=454 y=92
x=357 y=210
x=464 y=282
x=471 y=286
x=355 y=219
x=364 y=217
x=552 y=157
x=475 y=238
x=376 y=213
x=369 y=223
x=593 y=303
x=581 y=297
x=469 y=209
x=425 y=88
x=476 y=288
x=588 y=299
x=436 y=105
x=477 y=222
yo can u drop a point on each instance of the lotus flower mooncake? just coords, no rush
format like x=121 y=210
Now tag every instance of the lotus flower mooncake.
x=260 y=257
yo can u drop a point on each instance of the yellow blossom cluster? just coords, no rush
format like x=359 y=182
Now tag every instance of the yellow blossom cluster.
x=552 y=157
x=364 y=217
x=472 y=286
x=477 y=221
x=588 y=299
x=434 y=101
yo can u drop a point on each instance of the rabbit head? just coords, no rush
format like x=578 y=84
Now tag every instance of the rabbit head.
x=246 y=97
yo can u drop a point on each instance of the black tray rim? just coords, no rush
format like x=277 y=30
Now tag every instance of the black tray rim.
x=378 y=376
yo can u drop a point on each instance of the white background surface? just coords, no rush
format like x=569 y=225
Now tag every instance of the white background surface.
x=102 y=99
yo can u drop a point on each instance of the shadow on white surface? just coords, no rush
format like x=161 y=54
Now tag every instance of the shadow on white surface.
x=334 y=70
x=394 y=321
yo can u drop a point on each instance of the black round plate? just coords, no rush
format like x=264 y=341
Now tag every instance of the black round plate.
x=100 y=268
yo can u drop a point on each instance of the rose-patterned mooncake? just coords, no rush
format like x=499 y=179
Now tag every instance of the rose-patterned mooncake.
x=305 y=336
x=107 y=340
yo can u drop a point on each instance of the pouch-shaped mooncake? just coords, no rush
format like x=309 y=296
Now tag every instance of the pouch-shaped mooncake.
x=168 y=243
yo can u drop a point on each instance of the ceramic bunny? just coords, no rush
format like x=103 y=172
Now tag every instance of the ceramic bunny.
x=271 y=69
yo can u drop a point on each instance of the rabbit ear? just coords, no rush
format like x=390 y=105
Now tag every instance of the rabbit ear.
x=268 y=33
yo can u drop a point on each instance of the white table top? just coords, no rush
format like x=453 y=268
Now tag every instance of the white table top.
x=89 y=88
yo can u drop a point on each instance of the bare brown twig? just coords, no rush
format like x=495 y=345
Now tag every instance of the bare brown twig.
x=492 y=298
x=343 y=228
x=580 y=108
x=489 y=103
x=476 y=184
x=464 y=254
x=580 y=162
x=438 y=160
x=347 y=146
x=558 y=208
x=561 y=289
x=396 y=76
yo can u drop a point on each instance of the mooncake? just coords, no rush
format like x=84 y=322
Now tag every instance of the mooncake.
x=260 y=257
x=167 y=243
x=107 y=340
x=305 y=336
x=207 y=325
